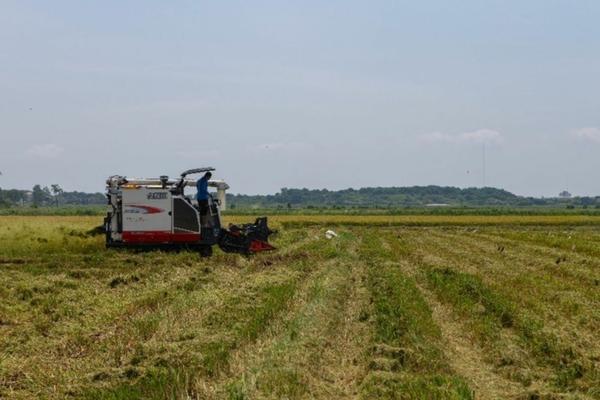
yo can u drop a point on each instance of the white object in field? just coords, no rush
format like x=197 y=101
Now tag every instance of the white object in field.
x=330 y=234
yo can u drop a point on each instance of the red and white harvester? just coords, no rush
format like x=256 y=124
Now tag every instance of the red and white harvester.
x=155 y=213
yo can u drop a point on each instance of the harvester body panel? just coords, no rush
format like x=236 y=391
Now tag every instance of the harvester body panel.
x=147 y=211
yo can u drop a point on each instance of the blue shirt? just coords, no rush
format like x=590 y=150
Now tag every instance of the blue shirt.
x=202 y=187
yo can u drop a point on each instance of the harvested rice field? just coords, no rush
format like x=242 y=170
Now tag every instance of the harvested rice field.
x=467 y=307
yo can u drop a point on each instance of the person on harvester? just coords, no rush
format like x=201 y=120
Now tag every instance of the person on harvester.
x=202 y=196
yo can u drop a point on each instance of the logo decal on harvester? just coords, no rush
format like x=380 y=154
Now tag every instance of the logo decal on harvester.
x=157 y=196
x=135 y=209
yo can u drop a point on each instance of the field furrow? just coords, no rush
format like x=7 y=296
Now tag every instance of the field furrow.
x=467 y=280
x=564 y=263
x=570 y=306
x=407 y=360
x=462 y=351
x=235 y=314
x=302 y=353
x=466 y=357
x=584 y=241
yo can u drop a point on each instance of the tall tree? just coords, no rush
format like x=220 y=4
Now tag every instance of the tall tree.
x=38 y=196
x=56 y=192
x=3 y=200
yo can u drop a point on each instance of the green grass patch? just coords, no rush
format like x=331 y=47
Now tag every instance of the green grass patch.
x=492 y=312
x=406 y=336
x=157 y=383
x=386 y=386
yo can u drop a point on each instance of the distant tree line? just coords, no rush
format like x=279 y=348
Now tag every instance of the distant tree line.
x=46 y=196
x=390 y=197
x=378 y=197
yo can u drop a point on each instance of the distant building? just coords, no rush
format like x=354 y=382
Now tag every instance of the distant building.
x=437 y=205
x=564 y=195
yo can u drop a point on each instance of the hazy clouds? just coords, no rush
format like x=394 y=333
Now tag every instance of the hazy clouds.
x=44 y=151
x=591 y=134
x=312 y=94
x=478 y=136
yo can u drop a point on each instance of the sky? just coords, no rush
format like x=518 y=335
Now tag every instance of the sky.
x=318 y=94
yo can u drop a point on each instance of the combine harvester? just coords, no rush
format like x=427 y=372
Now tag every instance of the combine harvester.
x=155 y=213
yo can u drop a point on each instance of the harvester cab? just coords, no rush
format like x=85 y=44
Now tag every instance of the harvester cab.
x=156 y=213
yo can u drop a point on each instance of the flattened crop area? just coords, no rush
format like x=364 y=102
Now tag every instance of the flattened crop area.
x=438 y=310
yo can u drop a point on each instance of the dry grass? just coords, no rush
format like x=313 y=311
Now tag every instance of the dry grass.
x=427 y=307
